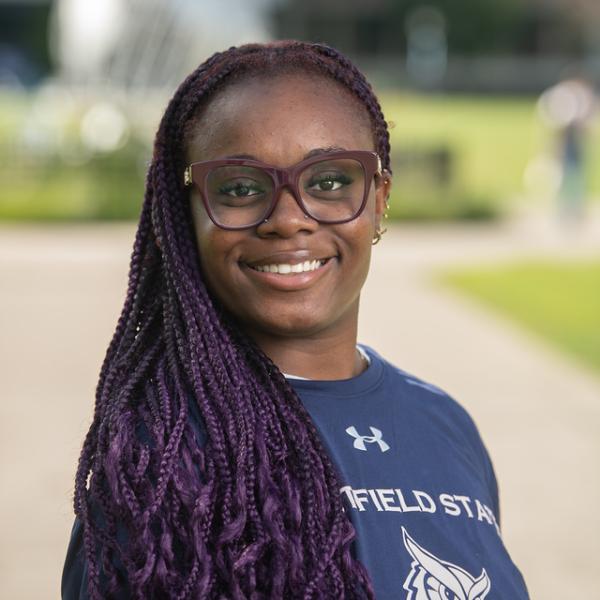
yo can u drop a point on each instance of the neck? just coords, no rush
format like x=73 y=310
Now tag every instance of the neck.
x=324 y=356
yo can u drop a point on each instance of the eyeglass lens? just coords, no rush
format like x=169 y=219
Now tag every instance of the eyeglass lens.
x=331 y=190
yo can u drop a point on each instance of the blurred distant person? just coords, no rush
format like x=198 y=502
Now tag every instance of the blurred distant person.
x=569 y=107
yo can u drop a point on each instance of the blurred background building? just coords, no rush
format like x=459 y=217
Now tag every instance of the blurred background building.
x=513 y=46
x=508 y=46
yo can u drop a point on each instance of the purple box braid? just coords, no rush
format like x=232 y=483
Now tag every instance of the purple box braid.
x=255 y=512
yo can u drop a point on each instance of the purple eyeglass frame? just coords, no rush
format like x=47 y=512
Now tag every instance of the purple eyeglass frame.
x=196 y=174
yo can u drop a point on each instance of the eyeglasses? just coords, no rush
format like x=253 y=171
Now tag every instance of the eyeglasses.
x=331 y=188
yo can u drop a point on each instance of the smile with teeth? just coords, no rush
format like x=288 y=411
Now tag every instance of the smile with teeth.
x=287 y=268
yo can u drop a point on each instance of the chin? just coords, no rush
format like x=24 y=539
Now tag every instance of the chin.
x=292 y=325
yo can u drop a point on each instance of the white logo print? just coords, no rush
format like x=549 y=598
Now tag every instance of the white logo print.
x=359 y=440
x=433 y=579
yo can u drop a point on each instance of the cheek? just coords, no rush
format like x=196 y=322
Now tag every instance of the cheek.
x=357 y=250
x=361 y=246
x=214 y=246
x=204 y=241
x=363 y=230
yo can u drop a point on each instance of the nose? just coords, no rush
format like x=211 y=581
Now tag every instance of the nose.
x=287 y=217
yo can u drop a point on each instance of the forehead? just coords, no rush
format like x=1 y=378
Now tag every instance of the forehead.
x=279 y=119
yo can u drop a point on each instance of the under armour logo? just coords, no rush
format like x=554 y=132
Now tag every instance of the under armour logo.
x=359 y=440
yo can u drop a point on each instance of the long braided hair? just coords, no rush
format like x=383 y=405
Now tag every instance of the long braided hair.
x=253 y=509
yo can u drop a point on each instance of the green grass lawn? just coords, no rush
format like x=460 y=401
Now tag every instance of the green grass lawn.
x=492 y=140
x=558 y=300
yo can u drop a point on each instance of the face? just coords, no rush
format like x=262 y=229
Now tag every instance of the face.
x=279 y=121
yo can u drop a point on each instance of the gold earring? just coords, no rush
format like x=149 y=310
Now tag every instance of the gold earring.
x=378 y=235
x=387 y=207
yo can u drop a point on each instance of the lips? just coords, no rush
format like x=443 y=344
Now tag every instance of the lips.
x=288 y=270
x=289 y=261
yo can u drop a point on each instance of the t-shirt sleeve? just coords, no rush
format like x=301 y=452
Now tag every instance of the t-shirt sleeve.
x=478 y=452
x=74 y=575
x=491 y=479
x=74 y=581
x=487 y=466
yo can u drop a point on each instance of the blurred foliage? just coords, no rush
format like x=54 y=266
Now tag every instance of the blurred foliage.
x=557 y=300
x=453 y=157
x=74 y=185
x=107 y=187
x=491 y=139
x=414 y=204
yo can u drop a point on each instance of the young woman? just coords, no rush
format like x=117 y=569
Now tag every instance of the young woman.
x=243 y=445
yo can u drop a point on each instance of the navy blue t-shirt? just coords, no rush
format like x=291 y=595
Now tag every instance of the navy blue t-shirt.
x=419 y=488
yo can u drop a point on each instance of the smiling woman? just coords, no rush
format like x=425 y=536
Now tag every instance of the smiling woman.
x=322 y=208
x=243 y=445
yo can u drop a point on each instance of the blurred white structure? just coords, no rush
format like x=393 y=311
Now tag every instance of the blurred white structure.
x=135 y=44
x=119 y=61
x=570 y=102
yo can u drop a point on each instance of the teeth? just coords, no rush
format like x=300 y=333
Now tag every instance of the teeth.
x=285 y=268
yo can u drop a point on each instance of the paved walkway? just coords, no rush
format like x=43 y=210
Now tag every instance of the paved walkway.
x=539 y=412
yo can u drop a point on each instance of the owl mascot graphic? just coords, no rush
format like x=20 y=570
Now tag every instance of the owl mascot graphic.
x=433 y=579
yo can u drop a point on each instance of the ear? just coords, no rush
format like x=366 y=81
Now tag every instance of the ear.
x=383 y=185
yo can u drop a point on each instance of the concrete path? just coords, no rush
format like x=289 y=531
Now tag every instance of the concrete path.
x=61 y=290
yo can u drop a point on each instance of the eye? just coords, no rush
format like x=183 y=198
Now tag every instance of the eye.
x=328 y=182
x=240 y=188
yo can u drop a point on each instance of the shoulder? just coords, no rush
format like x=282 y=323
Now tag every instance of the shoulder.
x=416 y=392
x=74 y=574
x=433 y=413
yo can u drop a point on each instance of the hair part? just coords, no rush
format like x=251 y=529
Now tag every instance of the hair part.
x=202 y=475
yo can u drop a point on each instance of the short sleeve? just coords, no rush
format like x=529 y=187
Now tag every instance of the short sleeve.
x=74 y=575
x=488 y=468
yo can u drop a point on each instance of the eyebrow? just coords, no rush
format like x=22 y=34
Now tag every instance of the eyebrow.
x=310 y=154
